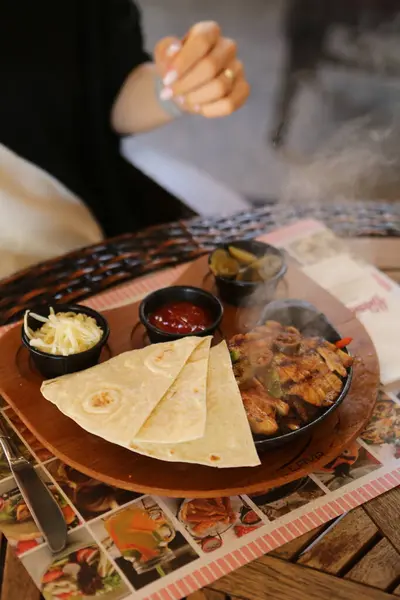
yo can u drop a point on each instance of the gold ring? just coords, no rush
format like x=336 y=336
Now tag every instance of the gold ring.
x=229 y=74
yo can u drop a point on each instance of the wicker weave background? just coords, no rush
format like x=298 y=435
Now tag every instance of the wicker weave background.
x=91 y=270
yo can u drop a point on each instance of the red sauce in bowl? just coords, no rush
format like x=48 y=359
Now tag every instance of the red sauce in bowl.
x=181 y=318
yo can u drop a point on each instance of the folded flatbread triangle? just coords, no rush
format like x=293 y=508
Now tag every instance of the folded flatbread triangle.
x=181 y=414
x=114 y=399
x=227 y=440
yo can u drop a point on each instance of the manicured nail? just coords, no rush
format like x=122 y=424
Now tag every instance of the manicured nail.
x=170 y=77
x=180 y=100
x=166 y=93
x=196 y=107
x=173 y=49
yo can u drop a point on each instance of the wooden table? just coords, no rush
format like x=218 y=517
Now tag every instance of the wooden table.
x=355 y=556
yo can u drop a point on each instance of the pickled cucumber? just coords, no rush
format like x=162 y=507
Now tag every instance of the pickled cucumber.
x=267 y=266
x=244 y=257
x=249 y=274
x=241 y=265
x=223 y=264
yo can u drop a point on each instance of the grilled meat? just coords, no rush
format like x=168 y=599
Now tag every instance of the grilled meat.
x=300 y=409
x=282 y=408
x=308 y=393
x=244 y=371
x=253 y=351
x=274 y=326
x=330 y=353
x=260 y=409
x=288 y=341
x=291 y=423
x=346 y=359
x=321 y=390
x=299 y=367
x=260 y=353
x=310 y=374
x=332 y=359
x=285 y=378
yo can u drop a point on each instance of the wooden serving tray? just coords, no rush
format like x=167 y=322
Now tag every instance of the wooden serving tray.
x=20 y=385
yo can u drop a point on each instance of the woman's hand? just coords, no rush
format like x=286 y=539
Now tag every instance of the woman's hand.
x=201 y=73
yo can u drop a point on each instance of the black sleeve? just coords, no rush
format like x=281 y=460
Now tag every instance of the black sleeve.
x=125 y=49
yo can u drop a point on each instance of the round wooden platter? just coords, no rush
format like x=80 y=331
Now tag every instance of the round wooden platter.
x=20 y=385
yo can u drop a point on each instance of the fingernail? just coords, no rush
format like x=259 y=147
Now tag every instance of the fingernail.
x=180 y=100
x=173 y=49
x=170 y=77
x=166 y=93
x=196 y=107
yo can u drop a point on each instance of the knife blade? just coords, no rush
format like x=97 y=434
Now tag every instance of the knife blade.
x=43 y=507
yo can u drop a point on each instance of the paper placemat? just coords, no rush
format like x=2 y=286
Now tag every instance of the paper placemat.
x=124 y=545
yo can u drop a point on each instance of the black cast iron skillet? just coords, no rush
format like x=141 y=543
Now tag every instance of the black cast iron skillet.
x=310 y=322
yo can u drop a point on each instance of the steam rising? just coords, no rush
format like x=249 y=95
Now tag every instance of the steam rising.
x=360 y=161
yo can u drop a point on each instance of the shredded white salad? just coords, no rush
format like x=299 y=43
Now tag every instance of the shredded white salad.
x=63 y=333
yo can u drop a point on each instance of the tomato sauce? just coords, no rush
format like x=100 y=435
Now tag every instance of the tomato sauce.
x=181 y=318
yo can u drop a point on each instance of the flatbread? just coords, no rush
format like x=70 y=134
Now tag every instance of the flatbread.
x=181 y=414
x=227 y=440
x=114 y=399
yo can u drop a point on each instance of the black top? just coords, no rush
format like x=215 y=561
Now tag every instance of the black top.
x=61 y=67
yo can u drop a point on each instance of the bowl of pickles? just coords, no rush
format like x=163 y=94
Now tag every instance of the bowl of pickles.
x=247 y=272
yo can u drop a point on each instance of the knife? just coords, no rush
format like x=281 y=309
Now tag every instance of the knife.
x=43 y=507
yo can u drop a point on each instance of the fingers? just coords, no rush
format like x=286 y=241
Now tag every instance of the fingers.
x=219 y=87
x=197 y=44
x=226 y=106
x=209 y=67
x=201 y=71
x=164 y=52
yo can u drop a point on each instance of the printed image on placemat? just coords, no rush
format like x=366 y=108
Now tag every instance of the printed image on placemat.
x=351 y=464
x=143 y=541
x=81 y=572
x=213 y=522
x=16 y=521
x=383 y=431
x=280 y=501
x=92 y=498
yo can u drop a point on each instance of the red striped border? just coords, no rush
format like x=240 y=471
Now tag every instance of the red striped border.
x=279 y=536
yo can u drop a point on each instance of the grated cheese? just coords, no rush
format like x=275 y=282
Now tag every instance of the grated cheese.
x=63 y=333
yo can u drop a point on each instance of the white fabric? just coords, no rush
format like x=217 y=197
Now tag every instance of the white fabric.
x=39 y=217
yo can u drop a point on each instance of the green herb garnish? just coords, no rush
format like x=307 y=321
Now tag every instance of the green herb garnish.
x=235 y=355
x=273 y=383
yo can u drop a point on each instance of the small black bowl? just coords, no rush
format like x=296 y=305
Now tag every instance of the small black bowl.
x=54 y=365
x=240 y=293
x=311 y=323
x=179 y=293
